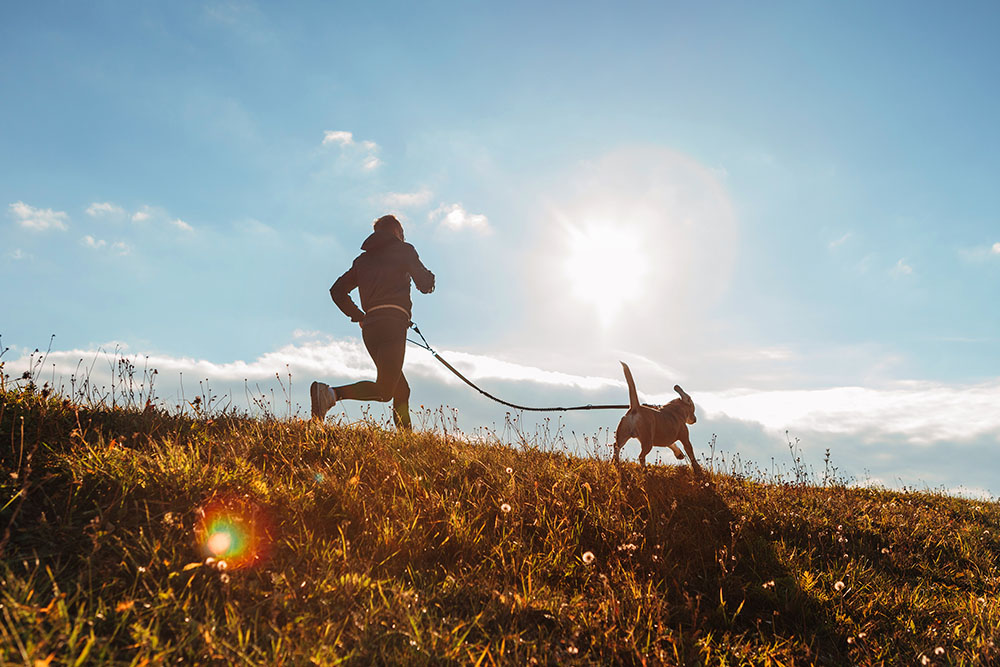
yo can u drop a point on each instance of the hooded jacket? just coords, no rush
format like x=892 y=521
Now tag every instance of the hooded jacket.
x=382 y=275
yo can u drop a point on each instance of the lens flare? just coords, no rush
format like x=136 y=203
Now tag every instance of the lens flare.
x=234 y=530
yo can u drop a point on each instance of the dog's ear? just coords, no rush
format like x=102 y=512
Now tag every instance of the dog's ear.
x=691 y=419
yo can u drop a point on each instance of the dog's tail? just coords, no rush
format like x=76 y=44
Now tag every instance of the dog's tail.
x=633 y=396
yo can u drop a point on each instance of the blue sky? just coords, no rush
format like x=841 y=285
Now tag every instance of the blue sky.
x=790 y=209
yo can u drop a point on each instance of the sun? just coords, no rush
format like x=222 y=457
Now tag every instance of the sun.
x=606 y=266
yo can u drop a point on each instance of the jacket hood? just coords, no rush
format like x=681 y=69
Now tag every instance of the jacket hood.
x=379 y=240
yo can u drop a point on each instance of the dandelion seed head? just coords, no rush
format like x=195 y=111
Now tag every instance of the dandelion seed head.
x=839 y=586
x=505 y=508
x=588 y=557
x=510 y=471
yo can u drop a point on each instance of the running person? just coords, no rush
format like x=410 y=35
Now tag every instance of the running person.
x=382 y=275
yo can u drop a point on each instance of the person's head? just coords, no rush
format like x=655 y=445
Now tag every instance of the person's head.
x=390 y=224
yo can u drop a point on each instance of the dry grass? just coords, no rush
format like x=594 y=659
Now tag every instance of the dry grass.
x=377 y=547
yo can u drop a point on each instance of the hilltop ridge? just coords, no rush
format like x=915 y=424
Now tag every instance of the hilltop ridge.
x=135 y=536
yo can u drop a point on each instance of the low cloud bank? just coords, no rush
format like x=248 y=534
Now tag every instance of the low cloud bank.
x=907 y=433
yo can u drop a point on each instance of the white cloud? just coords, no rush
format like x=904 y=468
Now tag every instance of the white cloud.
x=142 y=214
x=902 y=268
x=102 y=209
x=90 y=242
x=38 y=219
x=981 y=253
x=254 y=227
x=455 y=217
x=118 y=247
x=920 y=412
x=338 y=137
x=406 y=199
x=836 y=243
x=773 y=353
x=181 y=225
x=17 y=255
x=346 y=140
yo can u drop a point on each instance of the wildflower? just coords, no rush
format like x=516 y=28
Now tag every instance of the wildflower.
x=505 y=508
x=221 y=565
x=924 y=660
x=224 y=578
x=839 y=586
x=850 y=640
x=572 y=650
x=588 y=557
x=939 y=651
x=862 y=635
x=141 y=569
x=885 y=550
x=510 y=471
x=768 y=584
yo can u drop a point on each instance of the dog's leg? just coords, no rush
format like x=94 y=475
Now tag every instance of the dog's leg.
x=622 y=435
x=647 y=447
x=677 y=450
x=686 y=440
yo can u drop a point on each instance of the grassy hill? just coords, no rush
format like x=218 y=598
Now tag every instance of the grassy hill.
x=135 y=536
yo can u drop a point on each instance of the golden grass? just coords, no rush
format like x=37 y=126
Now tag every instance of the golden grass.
x=385 y=548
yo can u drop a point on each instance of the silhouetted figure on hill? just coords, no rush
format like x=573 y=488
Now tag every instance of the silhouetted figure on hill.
x=382 y=275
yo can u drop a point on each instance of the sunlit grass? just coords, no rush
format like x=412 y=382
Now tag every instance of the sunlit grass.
x=134 y=536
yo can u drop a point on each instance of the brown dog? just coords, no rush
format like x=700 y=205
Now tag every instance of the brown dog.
x=656 y=426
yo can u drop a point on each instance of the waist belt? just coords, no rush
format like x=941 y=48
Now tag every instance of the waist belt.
x=389 y=305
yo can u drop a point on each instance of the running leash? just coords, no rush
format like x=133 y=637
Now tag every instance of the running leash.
x=490 y=396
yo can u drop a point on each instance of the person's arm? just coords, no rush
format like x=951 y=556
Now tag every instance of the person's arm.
x=341 y=295
x=422 y=278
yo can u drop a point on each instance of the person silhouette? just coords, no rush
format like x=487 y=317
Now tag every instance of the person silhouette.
x=382 y=276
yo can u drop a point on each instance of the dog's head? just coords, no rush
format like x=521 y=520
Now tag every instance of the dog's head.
x=687 y=403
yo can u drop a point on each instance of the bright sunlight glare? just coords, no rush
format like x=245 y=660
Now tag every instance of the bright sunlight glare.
x=606 y=265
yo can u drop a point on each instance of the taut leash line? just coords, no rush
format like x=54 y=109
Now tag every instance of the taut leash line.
x=490 y=396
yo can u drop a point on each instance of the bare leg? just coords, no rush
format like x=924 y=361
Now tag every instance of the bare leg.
x=401 y=404
x=386 y=343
